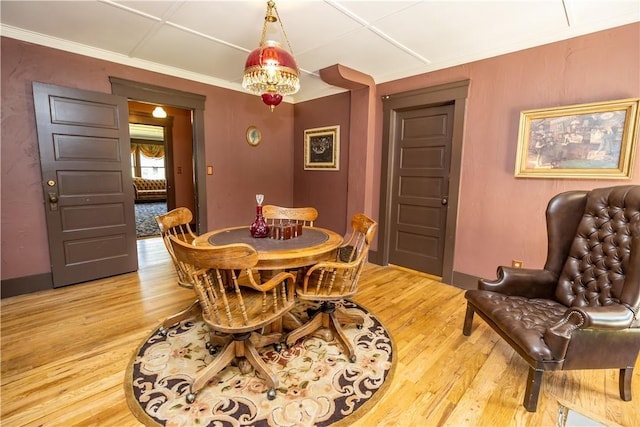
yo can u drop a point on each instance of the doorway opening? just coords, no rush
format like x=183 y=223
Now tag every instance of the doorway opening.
x=190 y=107
x=185 y=159
x=161 y=152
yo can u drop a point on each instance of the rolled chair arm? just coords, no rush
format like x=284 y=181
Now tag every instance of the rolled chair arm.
x=525 y=282
x=610 y=317
x=271 y=283
x=338 y=265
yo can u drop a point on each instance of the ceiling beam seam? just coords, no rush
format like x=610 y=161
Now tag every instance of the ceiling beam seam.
x=399 y=45
x=568 y=15
x=152 y=31
x=154 y=28
x=206 y=36
x=129 y=9
x=377 y=31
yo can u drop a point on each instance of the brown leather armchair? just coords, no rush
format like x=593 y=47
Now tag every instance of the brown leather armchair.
x=582 y=310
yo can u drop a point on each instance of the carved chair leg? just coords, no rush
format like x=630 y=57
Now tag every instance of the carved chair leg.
x=290 y=322
x=222 y=360
x=340 y=336
x=626 y=375
x=188 y=312
x=468 y=320
x=534 y=381
x=273 y=327
x=253 y=357
x=262 y=340
x=307 y=329
x=347 y=318
x=217 y=339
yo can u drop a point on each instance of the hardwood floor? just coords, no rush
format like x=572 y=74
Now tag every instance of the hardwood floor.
x=65 y=351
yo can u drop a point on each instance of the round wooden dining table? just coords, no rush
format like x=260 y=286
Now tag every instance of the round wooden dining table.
x=314 y=245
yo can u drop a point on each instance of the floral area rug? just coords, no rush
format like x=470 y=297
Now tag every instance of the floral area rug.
x=318 y=385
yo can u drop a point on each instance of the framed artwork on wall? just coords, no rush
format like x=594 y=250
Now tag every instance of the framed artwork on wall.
x=596 y=140
x=253 y=136
x=322 y=148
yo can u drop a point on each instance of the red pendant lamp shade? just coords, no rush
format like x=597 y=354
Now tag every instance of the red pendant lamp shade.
x=270 y=71
x=271 y=54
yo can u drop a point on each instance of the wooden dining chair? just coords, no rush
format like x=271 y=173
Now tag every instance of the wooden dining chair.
x=331 y=281
x=280 y=215
x=248 y=311
x=276 y=215
x=177 y=223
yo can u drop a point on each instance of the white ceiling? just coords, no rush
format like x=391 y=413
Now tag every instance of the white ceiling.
x=208 y=41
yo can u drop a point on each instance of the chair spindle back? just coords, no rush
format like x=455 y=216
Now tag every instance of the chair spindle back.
x=233 y=302
x=177 y=223
x=340 y=277
x=275 y=215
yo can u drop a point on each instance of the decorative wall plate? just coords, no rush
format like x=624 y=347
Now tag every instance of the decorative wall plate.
x=254 y=136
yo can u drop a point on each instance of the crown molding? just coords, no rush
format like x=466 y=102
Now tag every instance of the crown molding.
x=105 y=55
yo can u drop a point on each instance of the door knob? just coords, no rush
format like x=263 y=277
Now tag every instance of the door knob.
x=444 y=201
x=53 y=201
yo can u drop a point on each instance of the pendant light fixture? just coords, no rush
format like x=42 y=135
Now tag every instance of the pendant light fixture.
x=271 y=71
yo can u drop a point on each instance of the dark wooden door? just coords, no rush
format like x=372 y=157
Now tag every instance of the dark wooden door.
x=420 y=187
x=86 y=172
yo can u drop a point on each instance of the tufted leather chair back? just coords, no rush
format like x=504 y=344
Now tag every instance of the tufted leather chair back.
x=600 y=256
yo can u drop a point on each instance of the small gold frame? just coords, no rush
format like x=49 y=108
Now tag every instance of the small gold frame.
x=254 y=136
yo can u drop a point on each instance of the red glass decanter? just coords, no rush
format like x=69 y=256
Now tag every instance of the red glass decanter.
x=259 y=228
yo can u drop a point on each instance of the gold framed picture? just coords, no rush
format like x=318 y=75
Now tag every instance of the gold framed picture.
x=322 y=148
x=596 y=140
x=254 y=136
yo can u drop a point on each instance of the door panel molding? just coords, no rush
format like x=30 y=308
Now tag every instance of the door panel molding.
x=456 y=93
x=87 y=187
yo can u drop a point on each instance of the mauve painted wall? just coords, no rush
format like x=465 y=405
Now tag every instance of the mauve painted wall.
x=325 y=190
x=502 y=217
x=239 y=170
